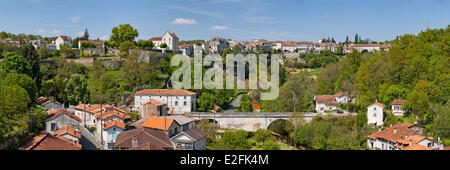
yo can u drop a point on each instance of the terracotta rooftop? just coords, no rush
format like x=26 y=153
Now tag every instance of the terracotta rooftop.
x=165 y=92
x=378 y=104
x=110 y=124
x=156 y=39
x=328 y=100
x=68 y=130
x=402 y=130
x=45 y=100
x=52 y=111
x=65 y=38
x=46 y=141
x=397 y=101
x=159 y=123
x=112 y=111
x=416 y=147
x=153 y=102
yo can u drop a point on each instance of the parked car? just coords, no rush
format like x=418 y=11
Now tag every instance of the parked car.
x=340 y=111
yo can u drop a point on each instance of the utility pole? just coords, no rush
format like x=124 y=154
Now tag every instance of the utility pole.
x=101 y=120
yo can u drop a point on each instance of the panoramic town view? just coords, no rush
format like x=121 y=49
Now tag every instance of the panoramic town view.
x=137 y=75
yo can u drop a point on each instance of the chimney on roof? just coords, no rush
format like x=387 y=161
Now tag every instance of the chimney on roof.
x=406 y=136
x=395 y=131
x=391 y=125
x=410 y=142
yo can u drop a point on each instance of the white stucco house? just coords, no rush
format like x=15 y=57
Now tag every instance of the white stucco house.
x=63 y=40
x=170 y=39
x=397 y=107
x=375 y=114
x=178 y=101
x=325 y=103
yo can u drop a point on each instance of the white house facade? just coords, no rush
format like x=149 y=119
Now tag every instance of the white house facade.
x=375 y=114
x=178 y=101
x=63 y=40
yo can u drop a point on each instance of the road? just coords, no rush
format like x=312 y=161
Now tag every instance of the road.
x=234 y=105
x=88 y=141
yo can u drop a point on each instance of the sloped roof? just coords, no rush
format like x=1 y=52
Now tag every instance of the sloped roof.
x=144 y=136
x=378 y=104
x=46 y=141
x=110 y=124
x=403 y=130
x=328 y=100
x=68 y=130
x=61 y=112
x=165 y=92
x=182 y=120
x=397 y=101
x=156 y=39
x=196 y=133
x=147 y=146
x=153 y=102
x=416 y=147
x=159 y=123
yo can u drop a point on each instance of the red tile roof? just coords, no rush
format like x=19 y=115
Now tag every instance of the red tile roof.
x=46 y=141
x=68 y=130
x=61 y=112
x=153 y=102
x=65 y=38
x=402 y=130
x=378 y=104
x=159 y=123
x=110 y=124
x=328 y=100
x=156 y=39
x=165 y=92
x=52 y=111
x=397 y=101
x=416 y=147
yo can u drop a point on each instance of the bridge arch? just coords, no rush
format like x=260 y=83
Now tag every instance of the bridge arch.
x=281 y=126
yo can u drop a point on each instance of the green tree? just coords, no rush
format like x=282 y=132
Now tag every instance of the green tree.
x=21 y=80
x=43 y=52
x=163 y=45
x=233 y=141
x=122 y=33
x=76 y=89
x=13 y=63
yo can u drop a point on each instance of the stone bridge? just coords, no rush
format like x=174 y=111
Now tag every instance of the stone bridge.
x=248 y=121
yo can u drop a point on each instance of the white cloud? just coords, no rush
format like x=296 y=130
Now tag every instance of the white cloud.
x=49 y=33
x=79 y=34
x=105 y=37
x=219 y=27
x=75 y=19
x=184 y=21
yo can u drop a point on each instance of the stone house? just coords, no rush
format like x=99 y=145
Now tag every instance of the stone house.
x=61 y=119
x=192 y=139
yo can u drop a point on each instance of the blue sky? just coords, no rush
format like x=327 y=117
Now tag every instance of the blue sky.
x=308 y=20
